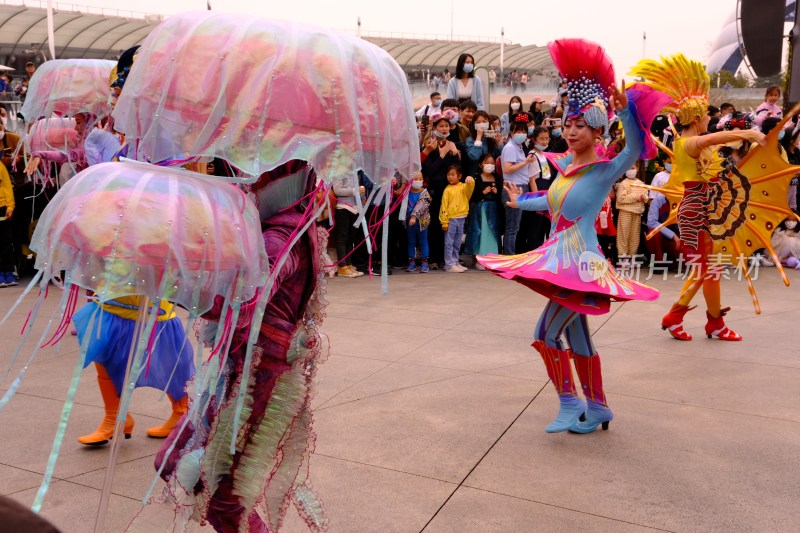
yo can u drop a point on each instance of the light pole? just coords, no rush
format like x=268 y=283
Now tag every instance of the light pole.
x=644 y=45
x=502 y=51
x=451 y=21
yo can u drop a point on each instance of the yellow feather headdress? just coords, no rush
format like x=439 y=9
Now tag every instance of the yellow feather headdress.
x=684 y=80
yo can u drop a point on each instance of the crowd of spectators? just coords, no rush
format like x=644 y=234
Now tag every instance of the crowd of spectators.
x=467 y=154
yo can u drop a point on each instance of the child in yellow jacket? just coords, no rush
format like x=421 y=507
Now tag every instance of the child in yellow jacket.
x=6 y=230
x=453 y=215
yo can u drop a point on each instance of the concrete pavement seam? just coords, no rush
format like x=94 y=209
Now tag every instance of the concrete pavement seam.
x=464 y=373
x=384 y=468
x=716 y=359
x=703 y=407
x=483 y=457
x=566 y=508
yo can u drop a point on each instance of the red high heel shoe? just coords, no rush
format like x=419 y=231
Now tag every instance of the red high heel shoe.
x=715 y=327
x=673 y=321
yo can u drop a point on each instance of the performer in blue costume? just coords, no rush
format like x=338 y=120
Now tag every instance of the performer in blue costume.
x=569 y=268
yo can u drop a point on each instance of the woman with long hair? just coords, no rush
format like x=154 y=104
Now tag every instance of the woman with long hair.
x=514 y=107
x=464 y=85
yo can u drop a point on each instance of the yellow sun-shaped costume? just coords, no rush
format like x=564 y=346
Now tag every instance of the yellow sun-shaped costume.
x=745 y=201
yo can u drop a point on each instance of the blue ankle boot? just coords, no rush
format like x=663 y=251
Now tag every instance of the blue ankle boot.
x=569 y=413
x=597 y=414
x=559 y=370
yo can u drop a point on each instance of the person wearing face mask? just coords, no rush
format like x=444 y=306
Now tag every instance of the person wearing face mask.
x=661 y=179
x=631 y=199
x=483 y=233
x=481 y=141
x=514 y=107
x=516 y=170
x=767 y=126
x=464 y=85
x=430 y=109
x=418 y=218
x=557 y=144
x=458 y=132
x=536 y=224
x=437 y=157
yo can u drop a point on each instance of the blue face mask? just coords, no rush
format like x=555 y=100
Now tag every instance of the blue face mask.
x=468 y=67
x=668 y=167
x=455 y=118
x=437 y=102
x=531 y=130
x=781 y=135
x=556 y=132
x=541 y=147
x=519 y=138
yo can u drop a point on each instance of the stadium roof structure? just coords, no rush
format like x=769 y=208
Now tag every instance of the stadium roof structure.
x=102 y=33
x=80 y=31
x=438 y=55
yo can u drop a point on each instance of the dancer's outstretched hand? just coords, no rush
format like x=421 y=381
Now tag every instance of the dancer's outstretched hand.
x=513 y=193
x=618 y=99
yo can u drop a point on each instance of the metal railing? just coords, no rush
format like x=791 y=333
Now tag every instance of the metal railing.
x=83 y=9
x=399 y=35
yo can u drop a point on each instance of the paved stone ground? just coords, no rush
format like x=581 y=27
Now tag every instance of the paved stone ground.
x=431 y=408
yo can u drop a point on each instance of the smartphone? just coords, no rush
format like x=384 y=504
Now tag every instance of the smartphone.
x=425 y=120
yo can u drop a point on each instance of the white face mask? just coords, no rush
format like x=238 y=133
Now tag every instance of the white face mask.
x=482 y=126
x=416 y=184
x=488 y=168
x=515 y=106
x=631 y=173
x=790 y=224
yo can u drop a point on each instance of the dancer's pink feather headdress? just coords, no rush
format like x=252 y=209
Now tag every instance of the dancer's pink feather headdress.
x=588 y=71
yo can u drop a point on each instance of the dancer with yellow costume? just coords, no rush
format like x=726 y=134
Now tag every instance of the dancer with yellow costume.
x=722 y=209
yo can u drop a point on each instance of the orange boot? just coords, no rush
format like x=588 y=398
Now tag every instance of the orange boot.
x=673 y=321
x=715 y=327
x=105 y=431
x=179 y=409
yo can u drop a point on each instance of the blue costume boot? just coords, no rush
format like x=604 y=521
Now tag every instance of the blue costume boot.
x=560 y=372
x=598 y=413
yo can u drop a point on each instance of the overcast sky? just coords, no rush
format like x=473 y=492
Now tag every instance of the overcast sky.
x=687 y=26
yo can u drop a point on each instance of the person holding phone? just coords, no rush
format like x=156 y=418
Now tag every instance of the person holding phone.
x=516 y=171
x=481 y=141
x=557 y=143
